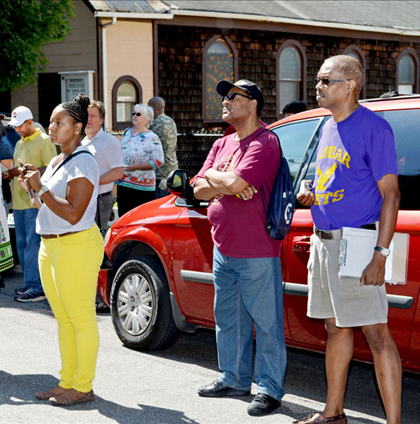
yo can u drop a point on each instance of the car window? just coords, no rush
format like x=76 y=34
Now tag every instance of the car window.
x=295 y=138
x=406 y=127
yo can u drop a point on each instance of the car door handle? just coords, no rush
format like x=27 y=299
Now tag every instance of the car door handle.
x=301 y=244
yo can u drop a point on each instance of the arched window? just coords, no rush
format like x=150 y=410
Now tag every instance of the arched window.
x=219 y=63
x=407 y=72
x=125 y=94
x=291 y=74
x=357 y=53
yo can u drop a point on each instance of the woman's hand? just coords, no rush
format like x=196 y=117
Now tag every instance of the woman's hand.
x=142 y=166
x=29 y=176
x=130 y=168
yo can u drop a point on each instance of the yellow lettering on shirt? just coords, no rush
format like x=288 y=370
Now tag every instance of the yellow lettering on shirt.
x=324 y=198
x=324 y=177
x=346 y=160
x=338 y=195
x=338 y=155
x=331 y=151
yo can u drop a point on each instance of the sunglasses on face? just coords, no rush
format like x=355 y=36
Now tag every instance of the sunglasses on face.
x=136 y=114
x=232 y=96
x=327 y=81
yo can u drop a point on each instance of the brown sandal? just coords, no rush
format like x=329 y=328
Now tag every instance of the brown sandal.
x=63 y=400
x=313 y=418
x=46 y=394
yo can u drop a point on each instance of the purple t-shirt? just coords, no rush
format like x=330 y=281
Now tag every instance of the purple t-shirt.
x=238 y=226
x=353 y=155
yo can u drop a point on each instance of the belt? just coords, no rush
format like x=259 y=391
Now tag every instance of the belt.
x=328 y=235
x=105 y=194
x=50 y=236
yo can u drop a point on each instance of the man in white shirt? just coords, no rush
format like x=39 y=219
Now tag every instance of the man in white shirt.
x=107 y=151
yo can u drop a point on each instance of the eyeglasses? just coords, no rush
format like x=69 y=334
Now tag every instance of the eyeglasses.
x=232 y=96
x=327 y=81
x=136 y=113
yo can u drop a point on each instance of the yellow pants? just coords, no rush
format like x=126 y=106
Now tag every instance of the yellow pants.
x=69 y=269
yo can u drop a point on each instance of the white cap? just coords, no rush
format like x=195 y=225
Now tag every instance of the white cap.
x=19 y=116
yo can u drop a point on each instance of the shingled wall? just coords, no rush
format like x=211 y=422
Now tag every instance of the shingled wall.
x=180 y=50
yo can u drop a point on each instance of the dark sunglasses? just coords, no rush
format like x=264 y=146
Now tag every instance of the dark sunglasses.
x=327 y=81
x=136 y=113
x=232 y=96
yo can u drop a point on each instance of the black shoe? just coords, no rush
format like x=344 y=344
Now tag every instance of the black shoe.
x=31 y=296
x=21 y=290
x=102 y=307
x=219 y=389
x=263 y=404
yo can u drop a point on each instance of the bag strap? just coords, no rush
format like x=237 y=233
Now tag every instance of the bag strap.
x=68 y=158
x=262 y=187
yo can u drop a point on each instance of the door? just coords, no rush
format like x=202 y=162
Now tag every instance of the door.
x=402 y=300
x=49 y=96
x=192 y=262
x=298 y=140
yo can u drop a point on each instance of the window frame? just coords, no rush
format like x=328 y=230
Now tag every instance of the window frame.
x=353 y=48
x=413 y=55
x=139 y=99
x=206 y=48
x=303 y=77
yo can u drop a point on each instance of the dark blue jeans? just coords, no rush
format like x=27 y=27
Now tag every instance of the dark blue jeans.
x=248 y=292
x=27 y=245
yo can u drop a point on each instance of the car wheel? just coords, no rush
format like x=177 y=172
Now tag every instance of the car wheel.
x=140 y=305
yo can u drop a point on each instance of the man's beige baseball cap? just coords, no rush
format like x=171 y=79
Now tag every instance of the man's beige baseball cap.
x=19 y=116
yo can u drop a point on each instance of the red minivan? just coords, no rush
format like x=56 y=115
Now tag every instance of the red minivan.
x=161 y=281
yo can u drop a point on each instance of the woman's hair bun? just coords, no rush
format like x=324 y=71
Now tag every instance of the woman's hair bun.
x=83 y=100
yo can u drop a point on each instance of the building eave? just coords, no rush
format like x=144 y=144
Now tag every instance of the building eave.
x=336 y=25
x=129 y=15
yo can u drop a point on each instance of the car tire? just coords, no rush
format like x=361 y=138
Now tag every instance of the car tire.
x=141 y=307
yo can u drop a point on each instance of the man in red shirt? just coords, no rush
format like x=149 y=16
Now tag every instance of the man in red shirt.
x=246 y=263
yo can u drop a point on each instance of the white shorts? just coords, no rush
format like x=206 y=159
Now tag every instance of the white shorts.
x=344 y=299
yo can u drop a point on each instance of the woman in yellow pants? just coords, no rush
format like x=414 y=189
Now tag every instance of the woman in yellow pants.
x=71 y=249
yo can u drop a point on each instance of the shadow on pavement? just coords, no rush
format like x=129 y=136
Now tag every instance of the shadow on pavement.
x=18 y=390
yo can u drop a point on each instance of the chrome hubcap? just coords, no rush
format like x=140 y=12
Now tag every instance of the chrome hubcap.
x=135 y=304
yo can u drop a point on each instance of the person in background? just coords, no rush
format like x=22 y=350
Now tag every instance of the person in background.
x=106 y=149
x=293 y=108
x=6 y=254
x=356 y=186
x=246 y=262
x=142 y=155
x=165 y=128
x=36 y=148
x=71 y=249
x=6 y=156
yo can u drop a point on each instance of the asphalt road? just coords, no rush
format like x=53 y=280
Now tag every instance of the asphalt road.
x=158 y=387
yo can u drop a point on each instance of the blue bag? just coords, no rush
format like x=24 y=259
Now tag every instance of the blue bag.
x=282 y=201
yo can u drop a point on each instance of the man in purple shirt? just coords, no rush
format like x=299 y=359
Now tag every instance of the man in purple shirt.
x=356 y=185
x=246 y=263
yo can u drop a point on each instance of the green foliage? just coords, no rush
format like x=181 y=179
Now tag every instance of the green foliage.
x=26 y=26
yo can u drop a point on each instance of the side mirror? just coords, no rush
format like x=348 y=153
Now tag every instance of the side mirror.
x=179 y=184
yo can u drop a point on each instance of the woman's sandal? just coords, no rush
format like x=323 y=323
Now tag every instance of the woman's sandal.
x=63 y=400
x=46 y=394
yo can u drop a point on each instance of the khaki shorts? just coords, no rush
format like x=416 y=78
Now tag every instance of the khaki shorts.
x=344 y=299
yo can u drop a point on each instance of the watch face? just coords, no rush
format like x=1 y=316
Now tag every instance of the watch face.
x=383 y=250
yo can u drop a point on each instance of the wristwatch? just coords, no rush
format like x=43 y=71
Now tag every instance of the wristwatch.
x=382 y=250
x=43 y=190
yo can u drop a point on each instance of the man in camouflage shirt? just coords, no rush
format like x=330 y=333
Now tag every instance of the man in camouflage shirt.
x=165 y=128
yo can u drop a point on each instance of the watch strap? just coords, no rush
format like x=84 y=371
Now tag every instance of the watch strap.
x=382 y=250
x=43 y=190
